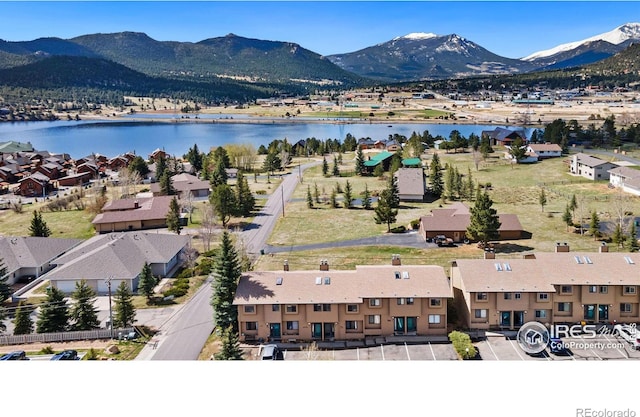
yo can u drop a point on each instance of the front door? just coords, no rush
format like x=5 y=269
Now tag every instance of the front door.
x=398 y=325
x=505 y=319
x=590 y=312
x=328 y=331
x=518 y=318
x=274 y=330
x=316 y=330
x=603 y=312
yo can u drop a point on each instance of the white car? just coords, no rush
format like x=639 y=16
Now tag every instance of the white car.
x=628 y=333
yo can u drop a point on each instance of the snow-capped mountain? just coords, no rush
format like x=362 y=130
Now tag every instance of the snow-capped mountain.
x=426 y=56
x=588 y=50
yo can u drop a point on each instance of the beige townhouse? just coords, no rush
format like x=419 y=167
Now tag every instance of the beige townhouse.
x=327 y=305
x=560 y=287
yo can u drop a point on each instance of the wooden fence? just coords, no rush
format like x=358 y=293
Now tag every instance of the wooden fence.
x=65 y=336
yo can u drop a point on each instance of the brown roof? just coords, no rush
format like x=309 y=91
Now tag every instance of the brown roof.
x=301 y=287
x=153 y=208
x=545 y=147
x=457 y=218
x=183 y=182
x=549 y=269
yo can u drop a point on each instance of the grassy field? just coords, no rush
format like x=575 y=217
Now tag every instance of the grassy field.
x=515 y=189
x=67 y=224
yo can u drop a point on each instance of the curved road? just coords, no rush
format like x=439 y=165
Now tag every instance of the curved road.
x=184 y=334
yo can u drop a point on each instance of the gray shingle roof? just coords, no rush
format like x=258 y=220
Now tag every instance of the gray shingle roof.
x=31 y=252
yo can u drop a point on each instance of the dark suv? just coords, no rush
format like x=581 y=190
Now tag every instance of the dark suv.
x=18 y=355
x=66 y=355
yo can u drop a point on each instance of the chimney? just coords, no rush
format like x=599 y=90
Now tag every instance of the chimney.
x=286 y=265
x=562 y=247
x=324 y=265
x=136 y=204
x=604 y=248
x=489 y=253
x=395 y=260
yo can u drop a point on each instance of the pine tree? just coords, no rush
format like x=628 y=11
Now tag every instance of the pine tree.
x=542 y=199
x=231 y=350
x=125 y=311
x=219 y=175
x=166 y=184
x=394 y=192
x=594 y=225
x=173 y=217
x=384 y=211
x=227 y=274
x=316 y=192
x=147 y=282
x=336 y=169
x=360 y=168
x=83 y=313
x=38 y=226
x=366 y=198
x=435 y=176
x=633 y=238
x=54 y=313
x=468 y=186
x=348 y=195
x=618 y=236
x=334 y=198
x=309 y=198
x=378 y=171
x=325 y=166
x=245 y=199
x=161 y=167
x=484 y=223
x=223 y=201
x=450 y=182
x=5 y=288
x=573 y=205
x=22 y=323
x=567 y=217
x=3 y=315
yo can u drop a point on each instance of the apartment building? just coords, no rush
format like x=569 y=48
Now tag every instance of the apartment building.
x=326 y=305
x=560 y=287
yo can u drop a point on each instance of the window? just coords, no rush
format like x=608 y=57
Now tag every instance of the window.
x=374 y=302
x=249 y=309
x=292 y=325
x=629 y=289
x=351 y=325
x=317 y=307
x=507 y=296
x=435 y=302
x=292 y=308
x=397 y=275
x=434 y=318
x=374 y=319
x=481 y=313
x=326 y=307
x=541 y=314
x=352 y=308
x=543 y=296
x=251 y=325
x=564 y=307
x=565 y=289
x=327 y=280
x=517 y=295
x=593 y=289
x=625 y=308
x=481 y=296
x=400 y=301
x=410 y=301
x=604 y=289
x=275 y=307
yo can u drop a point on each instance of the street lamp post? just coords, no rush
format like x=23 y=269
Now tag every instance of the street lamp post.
x=108 y=280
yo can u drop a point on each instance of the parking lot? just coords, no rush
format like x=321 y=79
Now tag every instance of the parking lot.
x=603 y=347
x=390 y=352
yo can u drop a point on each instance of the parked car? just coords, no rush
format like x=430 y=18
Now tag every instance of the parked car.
x=442 y=240
x=18 y=355
x=628 y=333
x=557 y=347
x=271 y=352
x=66 y=355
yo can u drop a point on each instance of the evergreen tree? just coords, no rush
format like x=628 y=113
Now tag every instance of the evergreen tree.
x=396 y=163
x=366 y=198
x=166 y=184
x=378 y=171
x=138 y=165
x=54 y=313
x=633 y=238
x=5 y=288
x=459 y=186
x=518 y=150
x=394 y=192
x=573 y=205
x=147 y=282
x=594 y=225
x=161 y=167
x=219 y=175
x=435 y=176
x=22 y=322
x=468 y=186
x=173 y=216
x=384 y=211
x=360 y=168
x=83 y=313
x=309 y=198
x=125 y=311
x=231 y=350
x=245 y=199
x=316 y=192
x=272 y=162
x=195 y=158
x=334 y=198
x=223 y=201
x=618 y=236
x=450 y=182
x=3 y=315
x=348 y=195
x=325 y=166
x=227 y=274
x=484 y=223
x=39 y=226
x=336 y=169
x=542 y=199
x=485 y=146
x=567 y=217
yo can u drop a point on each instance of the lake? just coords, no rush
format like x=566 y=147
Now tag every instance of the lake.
x=111 y=138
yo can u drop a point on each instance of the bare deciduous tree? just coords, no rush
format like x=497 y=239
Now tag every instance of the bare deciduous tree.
x=207 y=227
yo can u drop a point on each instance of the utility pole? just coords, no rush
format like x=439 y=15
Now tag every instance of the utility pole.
x=108 y=280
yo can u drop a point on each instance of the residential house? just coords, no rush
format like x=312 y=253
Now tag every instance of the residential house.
x=89 y=167
x=625 y=178
x=117 y=163
x=393 y=146
x=545 y=150
x=411 y=184
x=370 y=301
x=185 y=184
x=35 y=185
x=454 y=220
x=133 y=214
x=383 y=158
x=551 y=288
x=366 y=143
x=591 y=167
x=74 y=180
x=27 y=258
x=157 y=154
x=115 y=258
x=501 y=136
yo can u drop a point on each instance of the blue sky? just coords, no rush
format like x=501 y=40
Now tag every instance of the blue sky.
x=512 y=29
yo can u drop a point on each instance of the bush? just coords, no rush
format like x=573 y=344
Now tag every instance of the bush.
x=399 y=229
x=415 y=224
x=261 y=192
x=462 y=344
x=47 y=350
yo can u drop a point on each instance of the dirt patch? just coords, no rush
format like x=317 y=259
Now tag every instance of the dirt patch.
x=99 y=344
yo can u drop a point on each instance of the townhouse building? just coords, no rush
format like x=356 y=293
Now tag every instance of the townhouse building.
x=324 y=305
x=552 y=288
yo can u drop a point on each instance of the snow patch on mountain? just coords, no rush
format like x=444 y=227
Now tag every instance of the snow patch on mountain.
x=417 y=36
